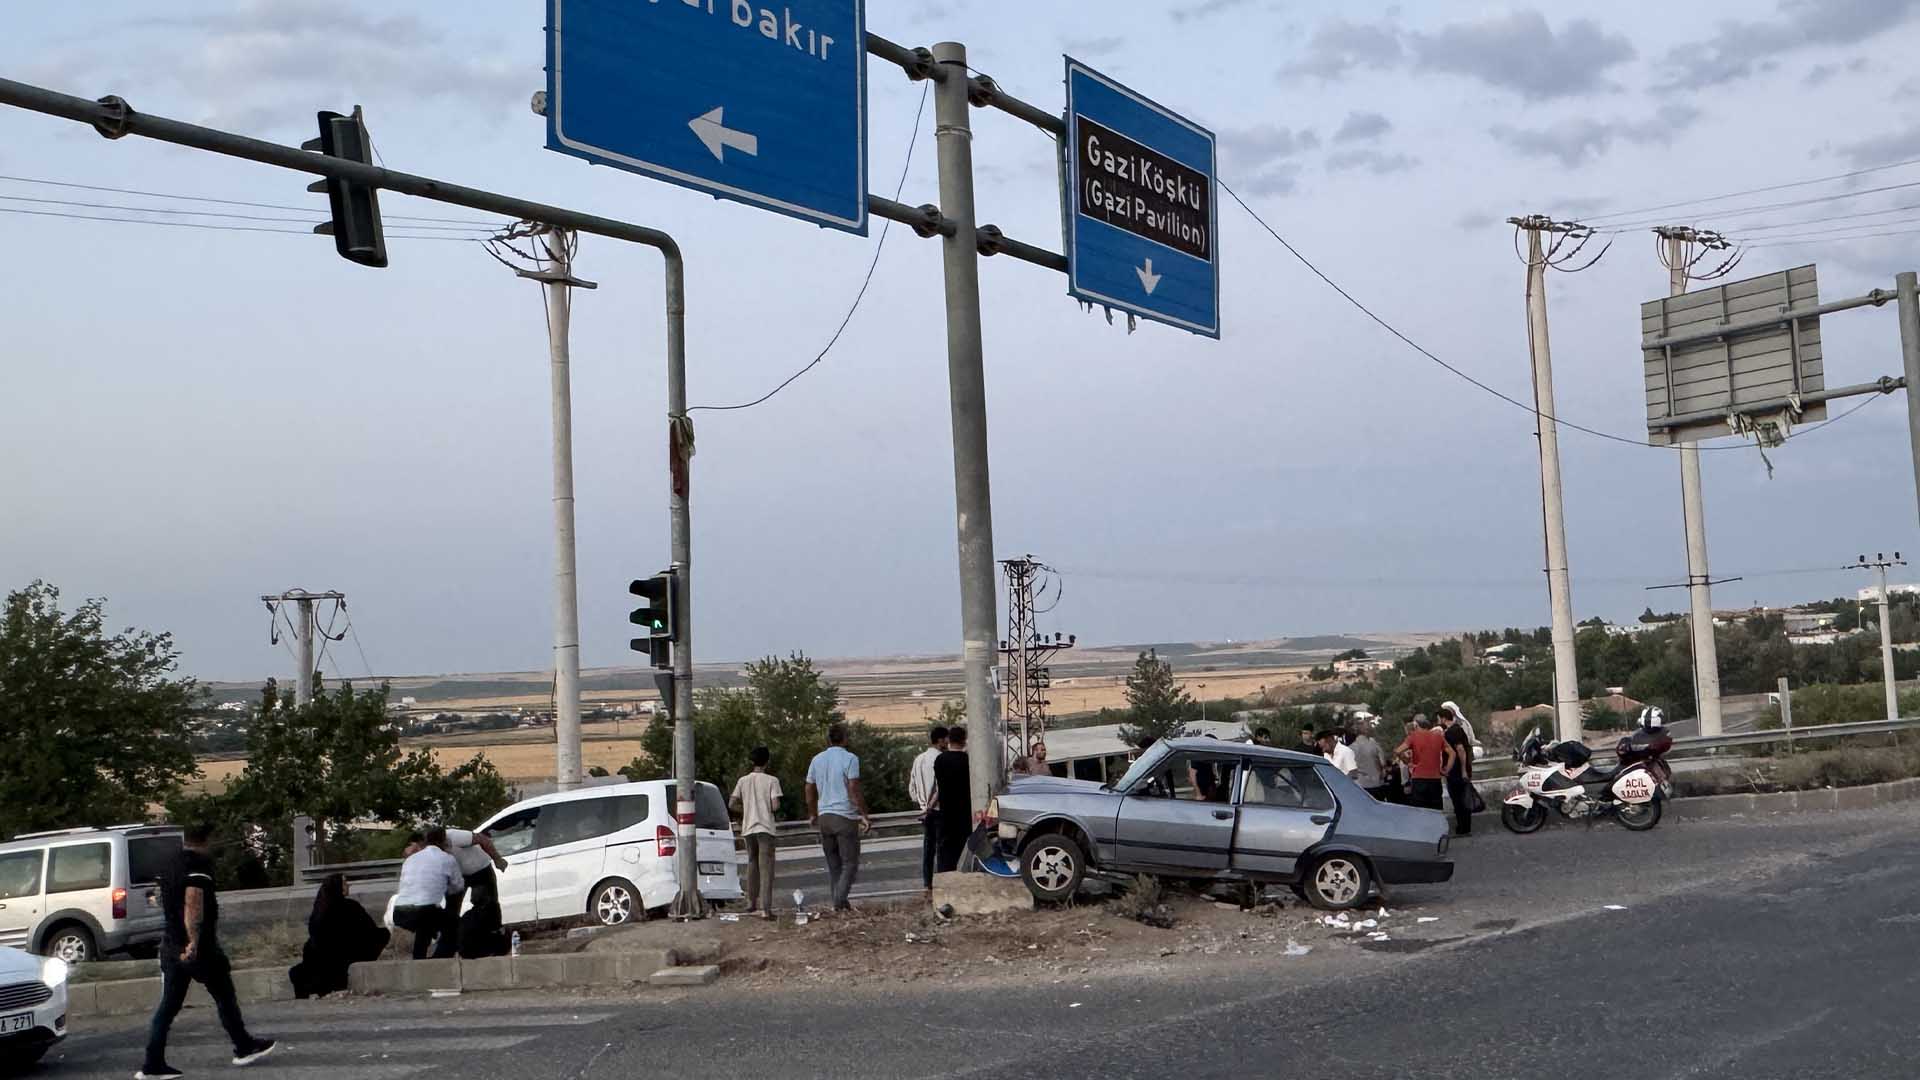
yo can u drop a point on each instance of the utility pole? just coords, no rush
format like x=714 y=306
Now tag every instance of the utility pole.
x=1678 y=243
x=303 y=632
x=553 y=269
x=1906 y=287
x=1566 y=681
x=967 y=388
x=1880 y=562
x=1027 y=653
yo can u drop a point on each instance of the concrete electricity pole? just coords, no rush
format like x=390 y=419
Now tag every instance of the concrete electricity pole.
x=554 y=271
x=967 y=387
x=558 y=283
x=1678 y=241
x=1880 y=563
x=1906 y=287
x=1566 y=680
x=302 y=633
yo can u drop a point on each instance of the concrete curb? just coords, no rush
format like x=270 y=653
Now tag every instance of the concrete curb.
x=525 y=972
x=1864 y=797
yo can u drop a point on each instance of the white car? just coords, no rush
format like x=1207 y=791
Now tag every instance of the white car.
x=33 y=1006
x=607 y=853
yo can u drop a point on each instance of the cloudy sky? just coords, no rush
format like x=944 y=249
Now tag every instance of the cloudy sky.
x=194 y=417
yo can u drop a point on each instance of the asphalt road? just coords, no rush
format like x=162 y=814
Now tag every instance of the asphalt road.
x=1781 y=947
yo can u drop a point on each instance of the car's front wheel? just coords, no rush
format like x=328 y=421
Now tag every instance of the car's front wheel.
x=1338 y=881
x=1053 y=865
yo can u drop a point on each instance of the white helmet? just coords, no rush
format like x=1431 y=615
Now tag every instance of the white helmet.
x=1652 y=719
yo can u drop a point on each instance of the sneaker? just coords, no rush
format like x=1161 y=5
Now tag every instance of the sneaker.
x=261 y=1048
x=158 y=1072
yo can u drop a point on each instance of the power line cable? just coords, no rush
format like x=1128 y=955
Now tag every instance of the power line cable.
x=1424 y=351
x=206 y=213
x=873 y=265
x=1788 y=205
x=1755 y=191
x=214 y=226
x=228 y=202
x=1746 y=229
x=1830 y=237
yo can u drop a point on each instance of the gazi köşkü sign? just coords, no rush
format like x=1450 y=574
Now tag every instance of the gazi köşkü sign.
x=1132 y=187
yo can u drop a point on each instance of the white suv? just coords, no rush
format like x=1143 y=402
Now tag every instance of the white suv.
x=33 y=1007
x=607 y=852
x=79 y=894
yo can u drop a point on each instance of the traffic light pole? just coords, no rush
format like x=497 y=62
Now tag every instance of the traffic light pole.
x=113 y=118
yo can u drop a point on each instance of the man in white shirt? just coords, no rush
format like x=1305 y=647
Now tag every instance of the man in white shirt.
x=1337 y=752
x=427 y=878
x=920 y=789
x=758 y=795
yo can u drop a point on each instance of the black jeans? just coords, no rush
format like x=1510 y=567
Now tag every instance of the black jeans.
x=1426 y=793
x=1460 y=790
x=953 y=844
x=427 y=920
x=211 y=970
x=929 y=846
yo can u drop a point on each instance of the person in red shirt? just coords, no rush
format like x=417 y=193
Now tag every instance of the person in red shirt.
x=1424 y=751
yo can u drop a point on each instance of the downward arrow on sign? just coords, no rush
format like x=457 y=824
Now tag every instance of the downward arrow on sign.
x=1148 y=279
x=712 y=129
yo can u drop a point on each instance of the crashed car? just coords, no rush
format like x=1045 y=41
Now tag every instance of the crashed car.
x=1201 y=809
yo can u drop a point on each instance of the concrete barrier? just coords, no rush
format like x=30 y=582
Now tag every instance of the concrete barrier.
x=108 y=997
x=1864 y=797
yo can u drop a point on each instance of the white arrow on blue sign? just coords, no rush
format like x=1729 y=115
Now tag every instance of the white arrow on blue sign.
x=765 y=104
x=1140 y=200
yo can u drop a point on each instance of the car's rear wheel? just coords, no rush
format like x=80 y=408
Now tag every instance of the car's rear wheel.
x=616 y=902
x=73 y=943
x=1338 y=881
x=1053 y=865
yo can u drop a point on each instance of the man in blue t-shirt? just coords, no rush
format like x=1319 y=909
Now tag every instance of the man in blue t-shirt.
x=839 y=811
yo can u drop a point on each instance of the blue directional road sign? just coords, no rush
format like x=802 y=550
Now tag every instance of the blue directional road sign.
x=764 y=102
x=1140 y=199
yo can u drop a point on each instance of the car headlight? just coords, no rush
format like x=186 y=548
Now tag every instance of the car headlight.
x=53 y=971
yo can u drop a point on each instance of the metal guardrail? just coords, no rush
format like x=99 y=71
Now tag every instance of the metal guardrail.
x=1791 y=735
x=369 y=870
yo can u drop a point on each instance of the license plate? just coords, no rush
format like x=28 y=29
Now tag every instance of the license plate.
x=711 y=868
x=12 y=1025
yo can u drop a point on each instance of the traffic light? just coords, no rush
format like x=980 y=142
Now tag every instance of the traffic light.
x=355 y=227
x=657 y=617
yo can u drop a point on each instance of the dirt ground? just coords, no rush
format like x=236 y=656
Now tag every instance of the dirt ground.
x=910 y=943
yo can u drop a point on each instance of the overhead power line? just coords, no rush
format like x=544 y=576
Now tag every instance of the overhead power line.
x=213 y=225
x=1755 y=191
x=232 y=202
x=1527 y=407
x=1722 y=215
x=878 y=246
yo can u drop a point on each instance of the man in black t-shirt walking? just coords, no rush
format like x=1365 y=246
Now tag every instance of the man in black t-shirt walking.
x=190 y=952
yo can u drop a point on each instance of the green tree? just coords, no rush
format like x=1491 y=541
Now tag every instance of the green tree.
x=1157 y=706
x=93 y=728
x=337 y=760
x=786 y=706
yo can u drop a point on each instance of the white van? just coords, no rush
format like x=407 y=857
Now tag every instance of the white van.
x=607 y=852
x=81 y=893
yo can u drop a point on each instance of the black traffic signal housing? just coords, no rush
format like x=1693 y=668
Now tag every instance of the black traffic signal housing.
x=355 y=227
x=658 y=617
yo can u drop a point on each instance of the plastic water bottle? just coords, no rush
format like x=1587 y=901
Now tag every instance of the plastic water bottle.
x=513 y=945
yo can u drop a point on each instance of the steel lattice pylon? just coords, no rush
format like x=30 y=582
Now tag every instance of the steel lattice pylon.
x=1025 y=654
